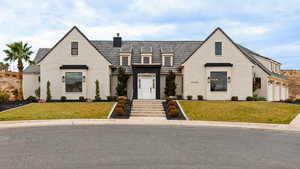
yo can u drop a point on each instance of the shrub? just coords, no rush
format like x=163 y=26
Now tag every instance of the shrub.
x=234 y=98
x=189 y=97
x=82 y=99
x=289 y=100
x=171 y=103
x=122 y=82
x=63 y=98
x=120 y=111
x=250 y=98
x=97 y=96
x=179 y=97
x=122 y=101
x=168 y=99
x=32 y=99
x=112 y=98
x=121 y=105
x=48 y=92
x=3 y=97
x=38 y=92
x=171 y=107
x=261 y=99
x=174 y=112
x=200 y=97
x=170 y=89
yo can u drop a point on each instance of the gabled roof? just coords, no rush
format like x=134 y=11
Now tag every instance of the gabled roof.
x=74 y=28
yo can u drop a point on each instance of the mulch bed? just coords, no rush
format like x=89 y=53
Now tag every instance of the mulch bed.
x=127 y=111
x=168 y=115
x=10 y=105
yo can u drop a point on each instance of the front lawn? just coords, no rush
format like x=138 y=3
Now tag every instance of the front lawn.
x=256 y=112
x=41 y=111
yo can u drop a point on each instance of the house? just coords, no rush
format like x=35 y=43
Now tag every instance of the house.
x=294 y=82
x=216 y=68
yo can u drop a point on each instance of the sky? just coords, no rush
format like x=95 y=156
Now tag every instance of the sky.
x=268 y=27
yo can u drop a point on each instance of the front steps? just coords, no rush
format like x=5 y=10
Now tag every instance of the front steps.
x=148 y=110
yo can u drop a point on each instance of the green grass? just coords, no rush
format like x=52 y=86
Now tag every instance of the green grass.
x=41 y=111
x=256 y=112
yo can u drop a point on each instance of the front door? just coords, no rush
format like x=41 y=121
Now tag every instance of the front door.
x=146 y=86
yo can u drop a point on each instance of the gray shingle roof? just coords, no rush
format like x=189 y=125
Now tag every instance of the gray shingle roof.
x=181 y=50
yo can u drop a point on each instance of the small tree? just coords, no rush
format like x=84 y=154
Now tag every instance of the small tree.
x=170 y=89
x=122 y=82
x=38 y=92
x=97 y=97
x=48 y=92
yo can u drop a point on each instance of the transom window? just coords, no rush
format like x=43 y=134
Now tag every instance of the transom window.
x=218 y=48
x=74 y=48
x=218 y=81
x=73 y=81
x=124 y=60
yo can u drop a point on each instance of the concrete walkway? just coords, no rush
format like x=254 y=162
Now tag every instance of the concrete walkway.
x=295 y=126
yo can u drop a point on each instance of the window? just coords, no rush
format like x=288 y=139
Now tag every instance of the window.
x=218 y=81
x=146 y=59
x=218 y=48
x=73 y=81
x=124 y=60
x=167 y=61
x=257 y=83
x=74 y=48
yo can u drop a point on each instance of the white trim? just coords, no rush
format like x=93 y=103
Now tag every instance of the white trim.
x=112 y=110
x=129 y=59
x=181 y=109
x=167 y=55
x=146 y=55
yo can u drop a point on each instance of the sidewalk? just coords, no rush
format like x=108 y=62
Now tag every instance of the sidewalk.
x=295 y=126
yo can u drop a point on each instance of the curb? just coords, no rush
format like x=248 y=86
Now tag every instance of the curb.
x=181 y=123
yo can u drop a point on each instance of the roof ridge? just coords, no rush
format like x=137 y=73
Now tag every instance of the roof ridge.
x=149 y=40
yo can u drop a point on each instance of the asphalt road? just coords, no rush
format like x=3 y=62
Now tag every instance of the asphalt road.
x=149 y=147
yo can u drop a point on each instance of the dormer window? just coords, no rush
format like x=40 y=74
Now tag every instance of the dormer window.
x=124 y=60
x=167 y=60
x=146 y=59
x=74 y=48
x=218 y=48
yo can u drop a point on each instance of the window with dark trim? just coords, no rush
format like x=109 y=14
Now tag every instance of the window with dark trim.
x=146 y=59
x=218 y=81
x=218 y=48
x=74 y=48
x=73 y=81
x=257 y=83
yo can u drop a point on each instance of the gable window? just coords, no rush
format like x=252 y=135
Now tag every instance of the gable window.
x=74 y=48
x=124 y=60
x=168 y=61
x=218 y=48
x=73 y=81
x=218 y=81
x=146 y=60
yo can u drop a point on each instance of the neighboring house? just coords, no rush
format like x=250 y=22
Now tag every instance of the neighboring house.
x=216 y=68
x=294 y=82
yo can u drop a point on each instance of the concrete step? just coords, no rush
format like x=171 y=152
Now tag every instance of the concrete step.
x=147 y=109
x=147 y=118
x=146 y=104
x=147 y=115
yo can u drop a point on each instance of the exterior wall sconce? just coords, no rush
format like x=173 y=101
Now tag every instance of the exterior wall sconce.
x=229 y=79
x=208 y=79
x=63 y=79
x=83 y=78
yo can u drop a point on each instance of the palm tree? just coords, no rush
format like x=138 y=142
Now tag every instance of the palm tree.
x=19 y=52
x=4 y=66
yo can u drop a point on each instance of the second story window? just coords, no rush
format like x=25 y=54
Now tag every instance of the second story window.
x=124 y=61
x=146 y=60
x=218 y=48
x=168 y=61
x=74 y=48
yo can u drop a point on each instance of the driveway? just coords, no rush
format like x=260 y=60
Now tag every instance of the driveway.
x=151 y=147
